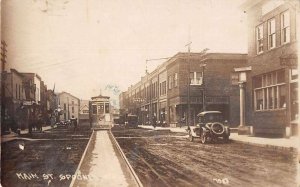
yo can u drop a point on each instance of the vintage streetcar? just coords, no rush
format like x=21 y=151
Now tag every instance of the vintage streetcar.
x=209 y=128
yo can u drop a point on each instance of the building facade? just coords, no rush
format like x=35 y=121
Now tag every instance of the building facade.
x=186 y=84
x=23 y=93
x=272 y=85
x=84 y=114
x=69 y=104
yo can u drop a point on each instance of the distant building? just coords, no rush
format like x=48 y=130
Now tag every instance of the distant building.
x=14 y=94
x=185 y=85
x=32 y=84
x=272 y=84
x=84 y=114
x=69 y=104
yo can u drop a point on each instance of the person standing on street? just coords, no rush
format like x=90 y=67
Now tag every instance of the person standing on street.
x=74 y=122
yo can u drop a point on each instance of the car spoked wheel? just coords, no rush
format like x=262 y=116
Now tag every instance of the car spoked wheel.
x=217 y=128
x=191 y=138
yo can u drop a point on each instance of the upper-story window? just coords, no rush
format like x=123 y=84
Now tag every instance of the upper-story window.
x=285 y=27
x=163 y=88
x=175 y=80
x=271 y=34
x=170 y=82
x=260 y=38
x=196 y=78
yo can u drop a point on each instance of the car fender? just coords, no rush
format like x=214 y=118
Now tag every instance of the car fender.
x=193 y=130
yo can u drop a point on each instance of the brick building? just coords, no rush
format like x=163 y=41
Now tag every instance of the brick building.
x=186 y=82
x=272 y=84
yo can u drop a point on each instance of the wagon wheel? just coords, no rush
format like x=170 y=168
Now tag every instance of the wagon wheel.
x=203 y=137
x=191 y=138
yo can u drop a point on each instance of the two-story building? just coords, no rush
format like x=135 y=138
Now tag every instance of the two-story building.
x=272 y=85
x=69 y=104
x=199 y=82
x=177 y=90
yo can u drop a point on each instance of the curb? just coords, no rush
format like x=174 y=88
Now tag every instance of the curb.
x=257 y=144
x=139 y=183
x=81 y=160
x=266 y=145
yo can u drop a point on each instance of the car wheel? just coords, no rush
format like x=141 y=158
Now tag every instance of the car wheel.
x=191 y=138
x=203 y=138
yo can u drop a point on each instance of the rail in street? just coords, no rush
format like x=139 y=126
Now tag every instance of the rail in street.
x=104 y=164
x=165 y=158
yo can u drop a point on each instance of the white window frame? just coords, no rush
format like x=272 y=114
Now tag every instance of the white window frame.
x=265 y=89
x=259 y=38
x=271 y=33
x=285 y=27
x=194 y=80
x=175 y=80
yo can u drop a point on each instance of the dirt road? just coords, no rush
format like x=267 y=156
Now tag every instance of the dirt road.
x=43 y=159
x=163 y=158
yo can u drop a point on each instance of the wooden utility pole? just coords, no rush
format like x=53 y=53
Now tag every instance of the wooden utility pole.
x=188 y=83
x=3 y=62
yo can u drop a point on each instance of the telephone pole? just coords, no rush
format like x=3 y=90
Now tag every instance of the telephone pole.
x=3 y=62
x=188 y=83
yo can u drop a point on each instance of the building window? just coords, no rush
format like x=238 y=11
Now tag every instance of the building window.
x=175 y=80
x=270 y=91
x=163 y=88
x=16 y=91
x=271 y=34
x=196 y=78
x=259 y=39
x=73 y=103
x=170 y=82
x=285 y=27
x=72 y=109
x=65 y=106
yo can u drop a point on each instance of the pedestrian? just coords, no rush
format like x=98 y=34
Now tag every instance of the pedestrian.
x=52 y=120
x=74 y=122
x=154 y=121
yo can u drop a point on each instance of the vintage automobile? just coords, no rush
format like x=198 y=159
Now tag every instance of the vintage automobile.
x=209 y=128
x=131 y=121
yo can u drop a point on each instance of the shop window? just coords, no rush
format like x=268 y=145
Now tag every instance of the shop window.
x=269 y=91
x=282 y=96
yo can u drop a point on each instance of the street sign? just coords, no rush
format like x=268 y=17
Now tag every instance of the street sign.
x=290 y=61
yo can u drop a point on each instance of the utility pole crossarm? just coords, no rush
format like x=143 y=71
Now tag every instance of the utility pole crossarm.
x=153 y=59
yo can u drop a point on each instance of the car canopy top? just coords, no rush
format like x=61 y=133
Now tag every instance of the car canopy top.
x=209 y=112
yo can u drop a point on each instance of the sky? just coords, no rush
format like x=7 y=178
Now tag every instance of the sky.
x=88 y=47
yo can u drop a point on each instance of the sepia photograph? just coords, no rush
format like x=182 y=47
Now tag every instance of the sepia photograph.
x=149 y=93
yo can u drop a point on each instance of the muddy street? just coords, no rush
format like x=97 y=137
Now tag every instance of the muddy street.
x=164 y=158
x=43 y=159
